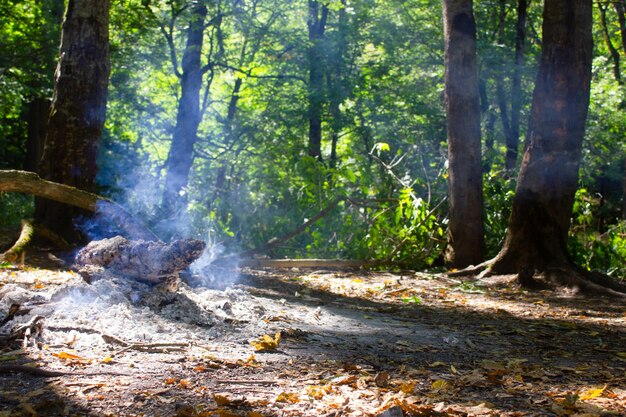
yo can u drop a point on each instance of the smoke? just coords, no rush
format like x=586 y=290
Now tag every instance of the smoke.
x=136 y=184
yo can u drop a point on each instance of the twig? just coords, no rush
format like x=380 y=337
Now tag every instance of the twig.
x=144 y=347
x=247 y=382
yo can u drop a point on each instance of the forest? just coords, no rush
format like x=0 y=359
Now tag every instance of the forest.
x=458 y=143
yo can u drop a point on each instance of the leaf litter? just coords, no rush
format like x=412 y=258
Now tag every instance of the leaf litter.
x=311 y=343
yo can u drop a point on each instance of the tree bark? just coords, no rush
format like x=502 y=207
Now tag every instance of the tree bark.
x=38 y=110
x=31 y=183
x=317 y=25
x=512 y=148
x=78 y=109
x=537 y=232
x=180 y=156
x=466 y=243
x=336 y=81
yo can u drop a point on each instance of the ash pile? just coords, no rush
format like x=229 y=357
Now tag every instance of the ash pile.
x=128 y=290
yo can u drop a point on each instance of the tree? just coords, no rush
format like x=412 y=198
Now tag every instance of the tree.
x=465 y=233
x=78 y=108
x=180 y=156
x=536 y=239
x=316 y=23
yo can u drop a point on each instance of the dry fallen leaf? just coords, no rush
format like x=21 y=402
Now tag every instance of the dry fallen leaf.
x=408 y=387
x=266 y=342
x=440 y=385
x=591 y=393
x=288 y=397
x=318 y=391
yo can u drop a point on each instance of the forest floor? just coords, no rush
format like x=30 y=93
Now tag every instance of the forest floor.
x=352 y=343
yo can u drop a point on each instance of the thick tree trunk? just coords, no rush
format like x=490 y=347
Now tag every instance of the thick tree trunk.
x=538 y=226
x=180 y=156
x=317 y=25
x=38 y=110
x=78 y=108
x=465 y=230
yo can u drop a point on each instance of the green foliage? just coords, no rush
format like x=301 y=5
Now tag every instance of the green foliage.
x=499 y=192
x=592 y=247
x=15 y=207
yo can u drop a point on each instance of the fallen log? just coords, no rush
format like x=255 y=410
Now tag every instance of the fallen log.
x=30 y=183
x=146 y=261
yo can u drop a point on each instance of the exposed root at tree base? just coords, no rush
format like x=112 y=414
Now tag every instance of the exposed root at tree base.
x=554 y=277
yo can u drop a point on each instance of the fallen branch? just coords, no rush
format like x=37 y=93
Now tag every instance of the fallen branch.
x=159 y=347
x=30 y=183
x=272 y=243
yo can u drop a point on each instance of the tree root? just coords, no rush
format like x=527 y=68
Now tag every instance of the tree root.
x=16 y=253
x=561 y=275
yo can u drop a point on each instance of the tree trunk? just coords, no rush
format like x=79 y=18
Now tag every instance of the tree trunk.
x=78 y=108
x=317 y=25
x=620 y=9
x=466 y=243
x=516 y=87
x=336 y=81
x=538 y=226
x=609 y=44
x=38 y=111
x=180 y=157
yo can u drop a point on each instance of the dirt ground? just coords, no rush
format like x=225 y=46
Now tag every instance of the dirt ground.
x=324 y=343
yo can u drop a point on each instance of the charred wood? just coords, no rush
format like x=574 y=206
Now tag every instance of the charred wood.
x=145 y=261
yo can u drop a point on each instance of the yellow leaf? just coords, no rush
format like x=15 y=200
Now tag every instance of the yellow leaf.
x=436 y=364
x=440 y=385
x=591 y=393
x=67 y=355
x=288 y=397
x=108 y=359
x=621 y=354
x=318 y=391
x=407 y=387
x=266 y=342
x=357 y=281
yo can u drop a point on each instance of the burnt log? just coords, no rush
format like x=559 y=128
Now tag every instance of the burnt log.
x=146 y=261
